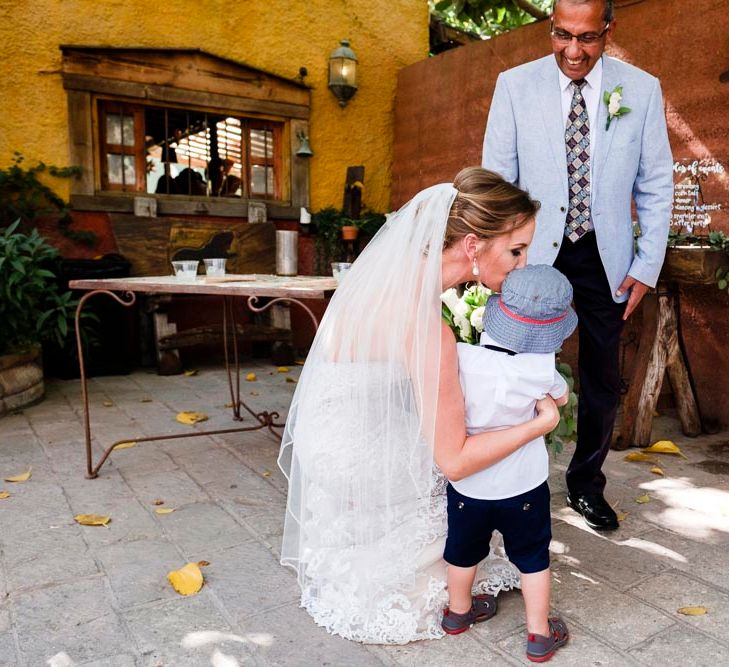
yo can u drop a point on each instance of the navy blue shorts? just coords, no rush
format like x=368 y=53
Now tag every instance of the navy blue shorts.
x=523 y=520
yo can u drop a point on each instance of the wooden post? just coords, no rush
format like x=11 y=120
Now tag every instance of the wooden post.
x=659 y=352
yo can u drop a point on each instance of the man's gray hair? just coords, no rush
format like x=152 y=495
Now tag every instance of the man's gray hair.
x=607 y=14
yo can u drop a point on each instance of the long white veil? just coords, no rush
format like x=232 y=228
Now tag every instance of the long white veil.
x=365 y=519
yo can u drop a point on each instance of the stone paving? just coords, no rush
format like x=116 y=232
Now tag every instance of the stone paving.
x=77 y=595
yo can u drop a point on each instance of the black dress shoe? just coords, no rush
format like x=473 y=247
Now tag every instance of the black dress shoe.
x=595 y=510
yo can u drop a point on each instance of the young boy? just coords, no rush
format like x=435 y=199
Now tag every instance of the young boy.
x=502 y=379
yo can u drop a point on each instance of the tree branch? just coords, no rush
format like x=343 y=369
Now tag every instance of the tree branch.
x=530 y=9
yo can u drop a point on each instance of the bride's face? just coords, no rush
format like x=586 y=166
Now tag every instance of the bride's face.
x=503 y=254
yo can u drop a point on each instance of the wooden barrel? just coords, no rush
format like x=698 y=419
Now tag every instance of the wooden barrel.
x=21 y=380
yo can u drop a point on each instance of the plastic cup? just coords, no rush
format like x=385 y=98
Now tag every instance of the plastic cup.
x=339 y=269
x=215 y=266
x=185 y=268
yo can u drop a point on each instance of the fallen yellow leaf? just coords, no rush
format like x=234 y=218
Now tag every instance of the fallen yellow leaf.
x=299 y=363
x=164 y=510
x=283 y=369
x=126 y=445
x=622 y=516
x=203 y=563
x=24 y=477
x=664 y=447
x=229 y=405
x=107 y=404
x=251 y=377
x=266 y=472
x=158 y=502
x=190 y=373
x=147 y=400
x=693 y=611
x=191 y=417
x=639 y=456
x=657 y=471
x=645 y=498
x=187 y=580
x=92 y=519
x=254 y=393
x=291 y=380
x=4 y=494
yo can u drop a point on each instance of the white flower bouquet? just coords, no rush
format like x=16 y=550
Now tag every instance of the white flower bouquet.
x=464 y=313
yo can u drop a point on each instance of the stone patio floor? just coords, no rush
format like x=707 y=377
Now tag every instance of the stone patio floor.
x=78 y=595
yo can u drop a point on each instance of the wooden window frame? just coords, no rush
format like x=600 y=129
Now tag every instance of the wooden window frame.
x=136 y=149
x=220 y=86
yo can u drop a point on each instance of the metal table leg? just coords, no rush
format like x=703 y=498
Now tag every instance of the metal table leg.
x=264 y=419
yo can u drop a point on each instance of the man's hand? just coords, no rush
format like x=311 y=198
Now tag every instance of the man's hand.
x=637 y=291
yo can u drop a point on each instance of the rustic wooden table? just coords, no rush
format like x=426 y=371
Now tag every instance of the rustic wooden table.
x=279 y=289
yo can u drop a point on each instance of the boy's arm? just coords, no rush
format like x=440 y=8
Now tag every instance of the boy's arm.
x=560 y=390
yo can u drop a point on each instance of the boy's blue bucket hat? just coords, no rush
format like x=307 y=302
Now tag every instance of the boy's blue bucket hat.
x=533 y=312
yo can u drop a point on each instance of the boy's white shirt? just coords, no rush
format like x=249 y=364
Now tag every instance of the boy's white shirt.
x=501 y=391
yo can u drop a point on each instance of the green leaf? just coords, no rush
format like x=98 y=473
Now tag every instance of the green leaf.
x=722 y=284
x=442 y=5
x=606 y=97
x=623 y=110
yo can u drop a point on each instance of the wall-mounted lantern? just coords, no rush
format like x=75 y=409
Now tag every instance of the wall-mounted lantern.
x=343 y=73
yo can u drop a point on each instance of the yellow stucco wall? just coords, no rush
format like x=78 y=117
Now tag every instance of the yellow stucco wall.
x=278 y=36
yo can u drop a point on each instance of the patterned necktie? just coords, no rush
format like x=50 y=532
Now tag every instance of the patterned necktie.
x=577 y=143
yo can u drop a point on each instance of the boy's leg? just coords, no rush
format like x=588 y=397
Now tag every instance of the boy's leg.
x=460 y=583
x=535 y=587
x=467 y=544
x=525 y=523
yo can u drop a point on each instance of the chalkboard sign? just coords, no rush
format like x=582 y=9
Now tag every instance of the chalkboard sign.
x=700 y=196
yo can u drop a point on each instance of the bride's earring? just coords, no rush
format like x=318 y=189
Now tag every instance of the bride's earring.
x=475 y=270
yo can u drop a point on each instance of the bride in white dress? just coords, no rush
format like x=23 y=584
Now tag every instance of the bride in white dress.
x=378 y=413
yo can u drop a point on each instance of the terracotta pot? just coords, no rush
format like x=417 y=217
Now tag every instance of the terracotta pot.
x=693 y=265
x=349 y=232
x=21 y=380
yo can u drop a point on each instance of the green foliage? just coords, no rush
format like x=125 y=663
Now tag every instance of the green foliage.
x=327 y=226
x=566 y=431
x=24 y=197
x=487 y=18
x=32 y=307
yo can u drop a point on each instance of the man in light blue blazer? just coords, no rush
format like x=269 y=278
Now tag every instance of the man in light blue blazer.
x=586 y=135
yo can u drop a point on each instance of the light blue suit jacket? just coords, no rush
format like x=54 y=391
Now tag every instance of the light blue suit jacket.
x=632 y=161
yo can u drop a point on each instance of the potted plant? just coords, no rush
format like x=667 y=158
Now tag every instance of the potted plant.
x=32 y=309
x=697 y=260
x=335 y=234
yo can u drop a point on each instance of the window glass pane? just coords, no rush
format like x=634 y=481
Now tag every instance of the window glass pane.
x=269 y=180
x=258 y=180
x=116 y=125
x=114 y=168
x=128 y=128
x=130 y=172
x=113 y=128
x=262 y=144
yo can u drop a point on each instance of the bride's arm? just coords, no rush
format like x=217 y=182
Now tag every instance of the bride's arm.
x=458 y=455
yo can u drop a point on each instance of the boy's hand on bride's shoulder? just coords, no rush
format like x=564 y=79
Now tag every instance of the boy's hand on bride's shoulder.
x=548 y=413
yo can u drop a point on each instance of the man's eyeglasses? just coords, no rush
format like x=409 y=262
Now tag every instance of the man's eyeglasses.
x=564 y=37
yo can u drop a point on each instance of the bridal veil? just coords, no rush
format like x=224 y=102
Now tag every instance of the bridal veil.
x=366 y=511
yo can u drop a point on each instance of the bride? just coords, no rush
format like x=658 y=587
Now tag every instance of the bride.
x=378 y=413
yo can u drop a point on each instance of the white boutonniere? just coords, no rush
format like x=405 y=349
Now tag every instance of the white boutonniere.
x=613 y=101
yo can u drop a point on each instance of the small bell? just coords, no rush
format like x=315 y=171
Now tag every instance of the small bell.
x=304 y=148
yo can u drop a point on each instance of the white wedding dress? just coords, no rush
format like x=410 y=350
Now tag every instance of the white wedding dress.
x=366 y=512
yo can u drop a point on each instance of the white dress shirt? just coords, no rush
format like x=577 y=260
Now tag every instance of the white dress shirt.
x=500 y=391
x=592 y=94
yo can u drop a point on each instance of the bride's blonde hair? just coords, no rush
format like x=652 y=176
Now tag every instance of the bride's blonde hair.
x=486 y=205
